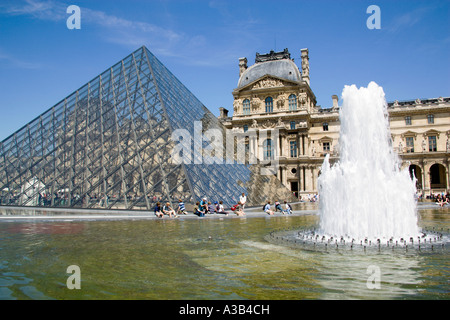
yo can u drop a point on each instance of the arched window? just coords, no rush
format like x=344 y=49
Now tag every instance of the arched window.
x=246 y=109
x=437 y=176
x=268 y=149
x=269 y=104
x=292 y=102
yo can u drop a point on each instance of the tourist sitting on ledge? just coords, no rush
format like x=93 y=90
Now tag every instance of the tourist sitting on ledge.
x=181 y=207
x=199 y=210
x=288 y=208
x=240 y=209
x=158 y=211
x=237 y=208
x=442 y=201
x=267 y=209
x=167 y=209
x=278 y=206
x=204 y=206
x=211 y=208
x=219 y=208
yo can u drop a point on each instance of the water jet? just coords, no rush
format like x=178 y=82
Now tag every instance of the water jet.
x=365 y=195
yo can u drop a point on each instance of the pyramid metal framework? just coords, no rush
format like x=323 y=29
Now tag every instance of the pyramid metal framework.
x=109 y=145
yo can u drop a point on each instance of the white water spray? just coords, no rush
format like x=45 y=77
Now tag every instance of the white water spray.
x=365 y=194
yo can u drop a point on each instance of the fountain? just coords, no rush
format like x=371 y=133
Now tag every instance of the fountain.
x=366 y=200
x=365 y=194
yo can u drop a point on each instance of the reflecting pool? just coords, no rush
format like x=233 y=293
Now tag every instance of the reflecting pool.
x=220 y=258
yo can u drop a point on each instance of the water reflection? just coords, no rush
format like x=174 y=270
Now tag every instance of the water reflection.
x=202 y=259
x=45 y=228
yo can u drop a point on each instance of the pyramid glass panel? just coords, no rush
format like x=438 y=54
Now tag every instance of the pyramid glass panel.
x=110 y=144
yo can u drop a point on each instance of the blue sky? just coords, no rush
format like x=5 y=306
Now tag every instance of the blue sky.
x=42 y=61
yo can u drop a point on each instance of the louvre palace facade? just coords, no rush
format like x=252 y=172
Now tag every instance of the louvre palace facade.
x=275 y=93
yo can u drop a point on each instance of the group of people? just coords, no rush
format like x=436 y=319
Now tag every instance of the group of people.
x=201 y=208
x=287 y=208
x=205 y=207
x=166 y=209
x=311 y=197
x=442 y=200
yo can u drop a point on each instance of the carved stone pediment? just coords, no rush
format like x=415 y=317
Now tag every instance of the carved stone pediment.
x=268 y=83
x=408 y=133
x=431 y=132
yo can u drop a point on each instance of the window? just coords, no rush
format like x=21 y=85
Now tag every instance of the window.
x=246 y=109
x=245 y=127
x=292 y=125
x=409 y=144
x=325 y=126
x=292 y=102
x=430 y=118
x=293 y=148
x=268 y=149
x=408 y=120
x=269 y=104
x=432 y=143
x=326 y=147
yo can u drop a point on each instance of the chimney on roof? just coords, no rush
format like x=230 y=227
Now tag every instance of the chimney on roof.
x=335 y=101
x=223 y=113
x=305 y=65
x=242 y=66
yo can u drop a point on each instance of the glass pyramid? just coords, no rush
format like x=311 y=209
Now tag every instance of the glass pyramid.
x=110 y=144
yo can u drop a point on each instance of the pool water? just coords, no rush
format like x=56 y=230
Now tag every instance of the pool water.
x=206 y=259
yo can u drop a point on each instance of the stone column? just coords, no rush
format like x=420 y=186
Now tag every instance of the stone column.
x=426 y=178
x=447 y=169
x=308 y=179
x=313 y=180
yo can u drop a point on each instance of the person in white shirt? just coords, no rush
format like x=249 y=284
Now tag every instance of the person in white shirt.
x=220 y=208
x=243 y=200
x=288 y=207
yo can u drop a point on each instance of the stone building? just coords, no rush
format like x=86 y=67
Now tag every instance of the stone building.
x=275 y=94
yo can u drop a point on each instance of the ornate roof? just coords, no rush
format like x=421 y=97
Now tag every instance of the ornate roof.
x=278 y=64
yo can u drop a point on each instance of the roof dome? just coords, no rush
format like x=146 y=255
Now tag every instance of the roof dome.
x=284 y=68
